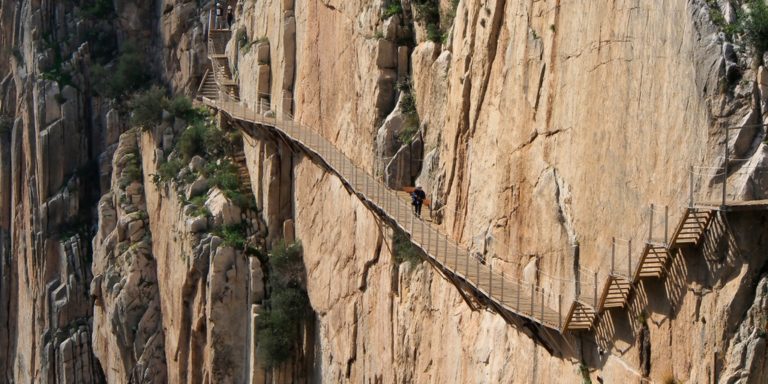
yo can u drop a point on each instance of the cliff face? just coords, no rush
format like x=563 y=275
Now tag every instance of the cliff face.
x=533 y=126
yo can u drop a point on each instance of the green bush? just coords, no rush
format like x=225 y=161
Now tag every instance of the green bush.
x=192 y=142
x=97 y=9
x=181 y=107
x=169 y=170
x=130 y=74
x=279 y=328
x=232 y=235
x=147 y=108
x=394 y=8
x=754 y=25
x=287 y=264
x=404 y=250
x=198 y=202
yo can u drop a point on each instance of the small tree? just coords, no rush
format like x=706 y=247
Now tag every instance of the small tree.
x=754 y=25
x=147 y=108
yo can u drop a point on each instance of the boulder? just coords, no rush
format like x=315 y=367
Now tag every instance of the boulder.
x=385 y=91
x=223 y=210
x=197 y=224
x=197 y=188
x=196 y=164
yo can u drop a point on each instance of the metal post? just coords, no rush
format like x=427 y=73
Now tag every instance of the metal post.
x=542 y=305
x=613 y=254
x=490 y=280
x=666 y=225
x=629 y=259
x=533 y=299
x=560 y=311
x=725 y=167
x=429 y=235
x=478 y=269
x=690 y=186
x=466 y=266
x=650 y=226
x=594 y=298
x=519 y=288
x=502 y=287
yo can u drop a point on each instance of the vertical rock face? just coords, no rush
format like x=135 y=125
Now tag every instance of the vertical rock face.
x=537 y=125
x=128 y=335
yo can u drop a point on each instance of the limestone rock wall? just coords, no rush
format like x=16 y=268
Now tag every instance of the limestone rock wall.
x=545 y=125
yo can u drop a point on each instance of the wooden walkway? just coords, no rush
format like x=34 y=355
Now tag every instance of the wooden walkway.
x=549 y=309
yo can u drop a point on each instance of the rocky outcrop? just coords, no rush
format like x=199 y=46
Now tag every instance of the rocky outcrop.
x=128 y=335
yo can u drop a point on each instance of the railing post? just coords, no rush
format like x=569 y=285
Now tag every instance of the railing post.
x=478 y=269
x=594 y=298
x=502 y=287
x=533 y=300
x=519 y=288
x=560 y=311
x=690 y=187
x=542 y=305
x=490 y=280
x=629 y=259
x=666 y=225
x=466 y=266
x=650 y=226
x=613 y=254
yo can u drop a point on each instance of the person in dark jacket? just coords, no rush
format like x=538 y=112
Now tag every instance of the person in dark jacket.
x=417 y=200
x=230 y=17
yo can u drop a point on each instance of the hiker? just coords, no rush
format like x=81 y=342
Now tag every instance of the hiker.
x=417 y=199
x=217 y=20
x=230 y=16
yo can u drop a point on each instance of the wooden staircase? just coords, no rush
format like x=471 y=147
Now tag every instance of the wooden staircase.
x=208 y=87
x=222 y=74
x=615 y=292
x=692 y=227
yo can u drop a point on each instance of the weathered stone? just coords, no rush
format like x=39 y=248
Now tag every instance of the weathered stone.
x=385 y=91
x=390 y=27
x=289 y=50
x=262 y=52
x=196 y=164
x=198 y=187
x=224 y=211
x=264 y=79
x=197 y=224
x=386 y=54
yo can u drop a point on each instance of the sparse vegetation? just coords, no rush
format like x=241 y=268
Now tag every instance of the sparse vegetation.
x=408 y=107
x=394 y=8
x=404 y=250
x=287 y=309
x=232 y=235
x=147 y=108
x=428 y=12
x=754 y=26
x=131 y=170
x=199 y=208
x=584 y=372
x=97 y=9
x=129 y=74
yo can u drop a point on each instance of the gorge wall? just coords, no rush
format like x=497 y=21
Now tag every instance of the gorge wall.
x=534 y=126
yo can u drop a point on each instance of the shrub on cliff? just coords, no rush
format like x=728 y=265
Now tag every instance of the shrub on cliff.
x=404 y=250
x=129 y=74
x=147 y=108
x=280 y=322
x=754 y=25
